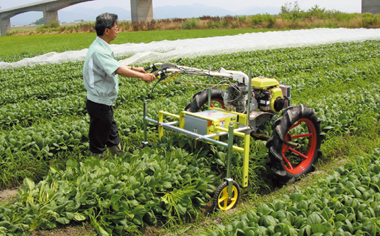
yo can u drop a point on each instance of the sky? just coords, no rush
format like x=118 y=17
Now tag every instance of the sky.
x=348 y=6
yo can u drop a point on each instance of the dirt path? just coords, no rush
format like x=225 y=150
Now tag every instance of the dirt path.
x=7 y=193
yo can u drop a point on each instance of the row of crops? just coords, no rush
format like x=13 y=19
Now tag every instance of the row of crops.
x=44 y=136
x=346 y=202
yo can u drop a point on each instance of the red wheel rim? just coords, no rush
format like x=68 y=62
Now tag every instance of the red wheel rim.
x=296 y=160
x=220 y=101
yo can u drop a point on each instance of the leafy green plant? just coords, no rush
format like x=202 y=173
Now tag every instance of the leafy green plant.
x=116 y=196
x=191 y=23
x=266 y=19
x=344 y=203
x=370 y=20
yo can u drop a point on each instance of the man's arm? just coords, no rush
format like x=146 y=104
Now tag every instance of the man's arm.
x=127 y=72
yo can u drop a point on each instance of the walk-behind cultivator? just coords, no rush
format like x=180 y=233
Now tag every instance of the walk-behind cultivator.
x=238 y=111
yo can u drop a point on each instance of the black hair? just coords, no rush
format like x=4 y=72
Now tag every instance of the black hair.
x=103 y=21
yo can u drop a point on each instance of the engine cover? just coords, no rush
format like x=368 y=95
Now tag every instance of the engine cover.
x=264 y=83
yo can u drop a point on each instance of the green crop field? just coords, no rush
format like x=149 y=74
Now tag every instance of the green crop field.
x=14 y=48
x=168 y=188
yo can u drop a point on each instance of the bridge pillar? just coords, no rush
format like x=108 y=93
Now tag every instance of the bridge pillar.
x=141 y=10
x=371 y=6
x=50 y=16
x=5 y=24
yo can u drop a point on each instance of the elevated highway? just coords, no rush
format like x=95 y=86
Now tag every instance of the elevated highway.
x=141 y=10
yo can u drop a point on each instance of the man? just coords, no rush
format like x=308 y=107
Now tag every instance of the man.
x=100 y=78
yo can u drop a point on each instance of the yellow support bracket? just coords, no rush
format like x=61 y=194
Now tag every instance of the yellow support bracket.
x=175 y=75
x=161 y=115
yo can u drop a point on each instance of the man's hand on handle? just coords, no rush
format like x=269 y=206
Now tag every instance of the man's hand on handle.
x=148 y=77
x=136 y=72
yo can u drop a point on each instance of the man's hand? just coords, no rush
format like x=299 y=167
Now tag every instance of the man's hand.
x=148 y=77
x=139 y=69
x=137 y=72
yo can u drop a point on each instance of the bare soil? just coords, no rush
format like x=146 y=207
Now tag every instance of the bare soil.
x=7 y=194
x=79 y=230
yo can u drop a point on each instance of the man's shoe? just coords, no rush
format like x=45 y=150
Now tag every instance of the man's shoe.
x=116 y=150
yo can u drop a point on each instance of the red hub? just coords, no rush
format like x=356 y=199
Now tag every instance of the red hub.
x=296 y=160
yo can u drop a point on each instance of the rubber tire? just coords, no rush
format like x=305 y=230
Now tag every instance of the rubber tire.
x=223 y=189
x=201 y=98
x=276 y=145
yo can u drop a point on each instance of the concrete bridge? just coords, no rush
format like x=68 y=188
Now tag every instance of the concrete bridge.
x=371 y=6
x=141 y=10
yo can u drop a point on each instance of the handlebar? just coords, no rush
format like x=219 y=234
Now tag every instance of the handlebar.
x=162 y=70
x=154 y=68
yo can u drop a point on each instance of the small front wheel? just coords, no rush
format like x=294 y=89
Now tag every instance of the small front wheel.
x=221 y=199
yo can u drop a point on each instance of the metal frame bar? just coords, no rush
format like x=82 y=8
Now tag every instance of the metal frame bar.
x=206 y=138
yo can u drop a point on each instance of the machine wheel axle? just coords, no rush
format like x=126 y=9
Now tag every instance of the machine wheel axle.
x=266 y=138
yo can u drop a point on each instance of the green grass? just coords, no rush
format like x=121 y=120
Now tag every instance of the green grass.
x=14 y=48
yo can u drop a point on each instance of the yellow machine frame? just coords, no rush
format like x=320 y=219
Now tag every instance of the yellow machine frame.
x=218 y=131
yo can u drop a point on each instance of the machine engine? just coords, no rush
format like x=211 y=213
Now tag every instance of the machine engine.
x=267 y=95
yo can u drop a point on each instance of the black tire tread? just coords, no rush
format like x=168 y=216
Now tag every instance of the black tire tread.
x=280 y=128
x=201 y=98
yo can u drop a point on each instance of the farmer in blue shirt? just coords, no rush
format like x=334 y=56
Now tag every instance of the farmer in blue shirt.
x=100 y=78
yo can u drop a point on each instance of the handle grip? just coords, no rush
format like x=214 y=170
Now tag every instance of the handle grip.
x=160 y=75
x=153 y=67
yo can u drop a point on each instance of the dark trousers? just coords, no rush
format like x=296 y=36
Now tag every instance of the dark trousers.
x=103 y=129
